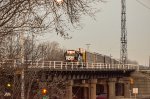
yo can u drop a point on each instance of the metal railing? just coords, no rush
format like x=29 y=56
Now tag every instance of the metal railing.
x=144 y=68
x=64 y=65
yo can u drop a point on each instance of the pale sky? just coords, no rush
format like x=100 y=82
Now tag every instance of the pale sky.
x=104 y=33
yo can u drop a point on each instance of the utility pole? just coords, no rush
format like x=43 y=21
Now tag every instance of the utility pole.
x=22 y=64
x=123 y=51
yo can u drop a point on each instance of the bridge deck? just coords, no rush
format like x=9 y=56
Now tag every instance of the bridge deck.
x=70 y=70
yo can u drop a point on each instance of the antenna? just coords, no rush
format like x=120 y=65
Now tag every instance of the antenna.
x=123 y=51
x=88 y=46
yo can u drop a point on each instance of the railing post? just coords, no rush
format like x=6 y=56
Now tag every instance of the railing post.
x=82 y=65
x=118 y=66
x=87 y=65
x=92 y=66
x=61 y=64
x=72 y=65
x=42 y=64
x=14 y=63
x=49 y=64
x=54 y=65
x=32 y=64
x=96 y=65
x=103 y=65
x=66 y=65
x=129 y=66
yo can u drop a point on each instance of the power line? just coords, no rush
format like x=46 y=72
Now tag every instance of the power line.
x=143 y=4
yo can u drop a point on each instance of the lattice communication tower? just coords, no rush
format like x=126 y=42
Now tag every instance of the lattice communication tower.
x=123 y=51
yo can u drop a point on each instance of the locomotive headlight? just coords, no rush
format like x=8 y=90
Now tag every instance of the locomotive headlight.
x=69 y=57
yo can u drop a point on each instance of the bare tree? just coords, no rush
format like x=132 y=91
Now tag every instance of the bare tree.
x=55 y=86
x=52 y=51
x=22 y=16
x=9 y=47
x=42 y=14
x=33 y=51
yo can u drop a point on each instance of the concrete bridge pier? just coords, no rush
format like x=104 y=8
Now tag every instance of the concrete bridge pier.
x=111 y=90
x=68 y=94
x=85 y=93
x=92 y=89
x=127 y=88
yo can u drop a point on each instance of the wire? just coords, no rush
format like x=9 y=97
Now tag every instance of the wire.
x=143 y=4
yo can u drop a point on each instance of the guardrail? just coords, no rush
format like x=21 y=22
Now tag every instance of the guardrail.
x=144 y=68
x=64 y=65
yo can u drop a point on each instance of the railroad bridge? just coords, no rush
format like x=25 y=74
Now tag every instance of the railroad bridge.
x=85 y=80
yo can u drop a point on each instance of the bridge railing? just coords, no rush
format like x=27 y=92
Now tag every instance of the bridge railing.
x=114 y=66
x=144 y=68
x=78 y=65
x=63 y=65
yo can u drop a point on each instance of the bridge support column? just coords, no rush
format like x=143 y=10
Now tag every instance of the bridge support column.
x=127 y=88
x=85 y=93
x=92 y=89
x=68 y=94
x=111 y=85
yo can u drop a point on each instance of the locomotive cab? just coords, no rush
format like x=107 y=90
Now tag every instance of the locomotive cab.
x=73 y=56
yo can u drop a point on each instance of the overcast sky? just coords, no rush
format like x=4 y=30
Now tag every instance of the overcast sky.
x=104 y=33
